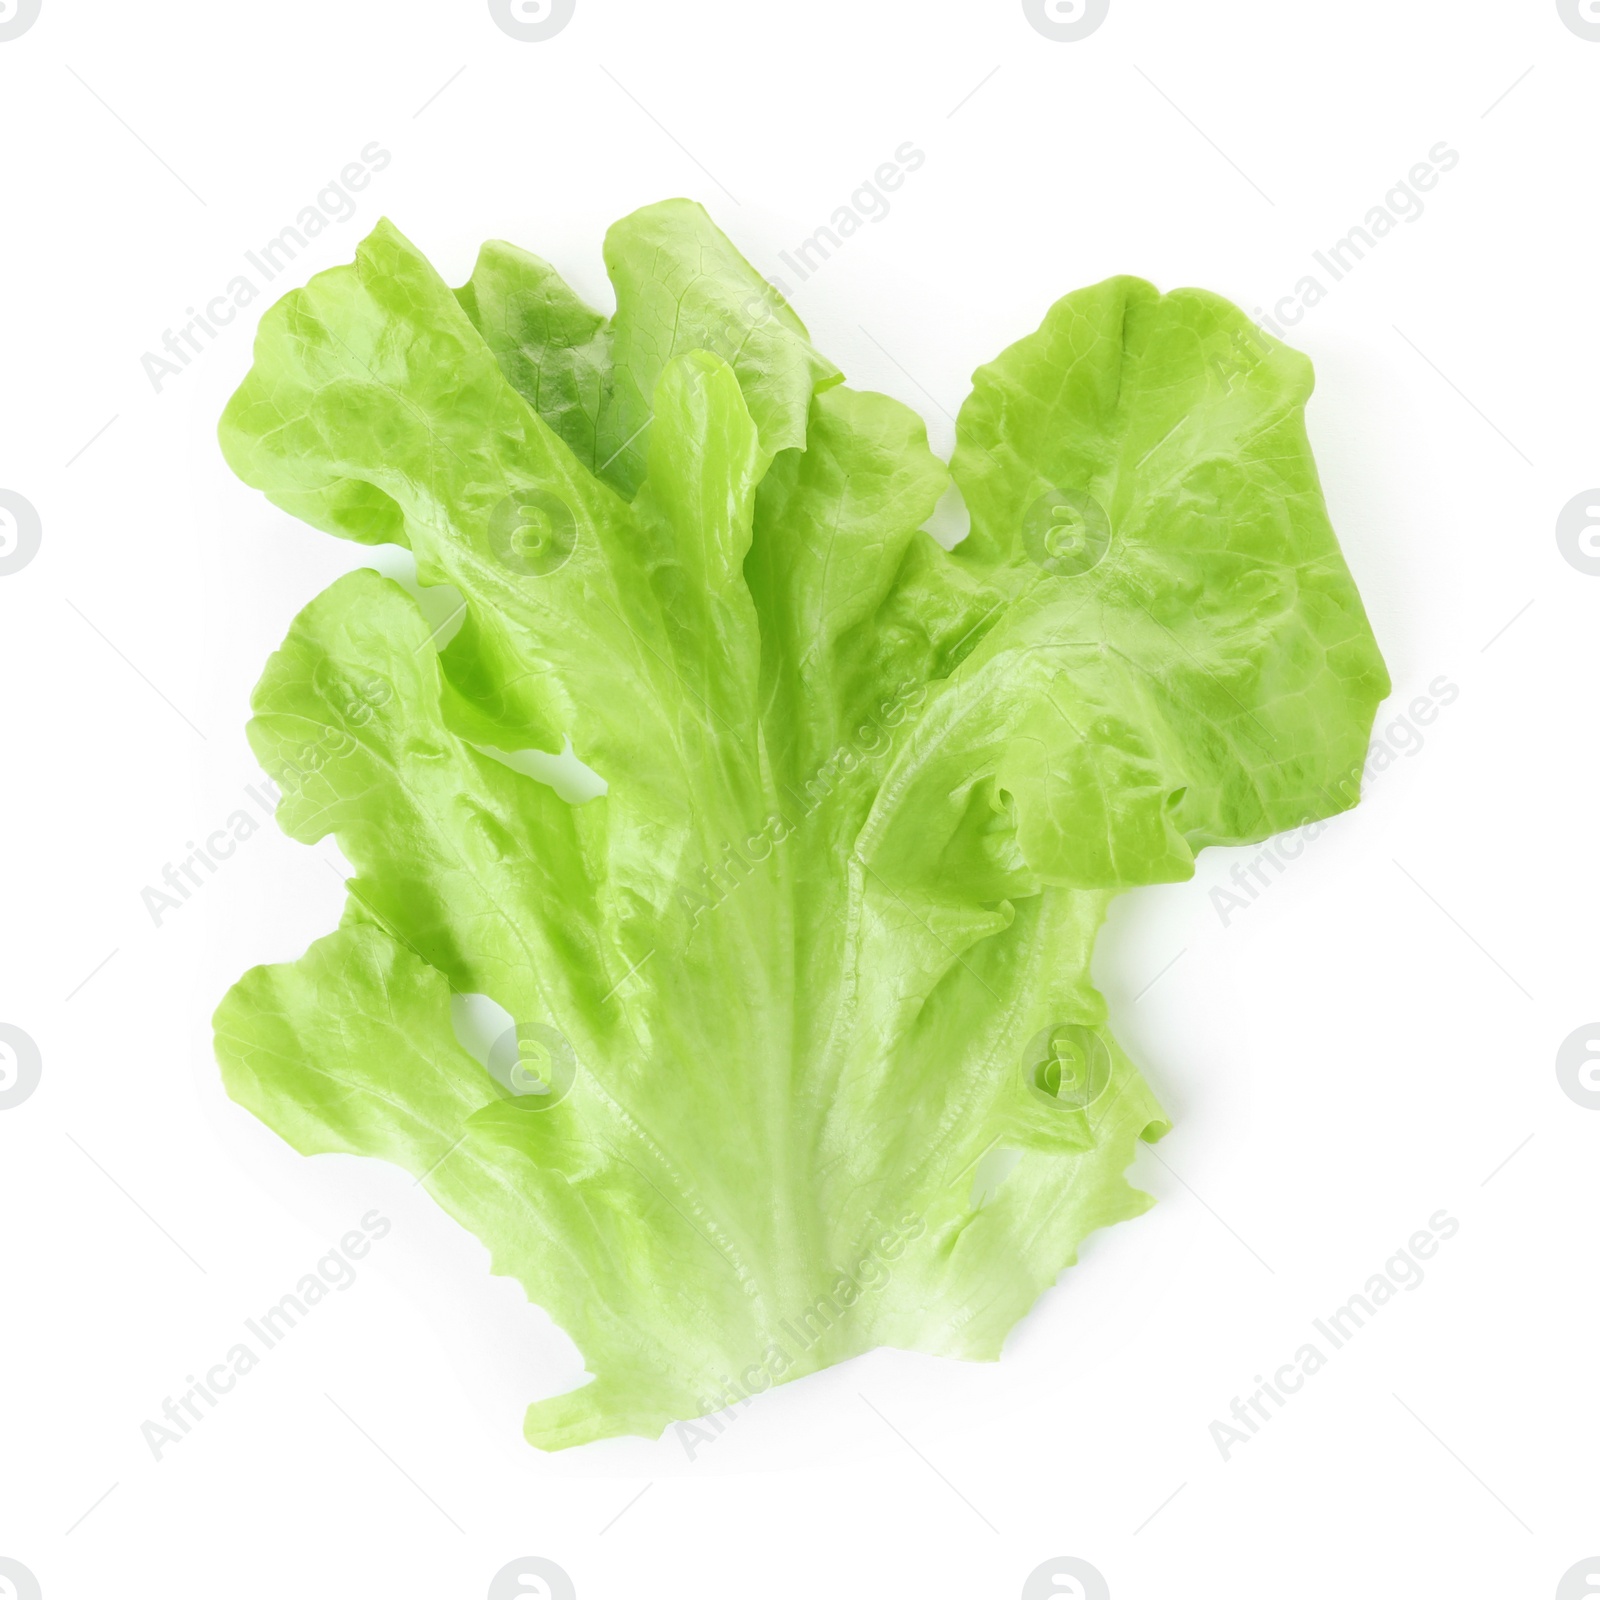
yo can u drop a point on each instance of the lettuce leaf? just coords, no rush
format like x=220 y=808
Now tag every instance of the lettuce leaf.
x=808 y=1056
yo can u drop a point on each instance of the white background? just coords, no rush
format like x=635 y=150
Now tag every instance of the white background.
x=1372 y=1040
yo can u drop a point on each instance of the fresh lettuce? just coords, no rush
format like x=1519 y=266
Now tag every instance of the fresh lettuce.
x=810 y=1058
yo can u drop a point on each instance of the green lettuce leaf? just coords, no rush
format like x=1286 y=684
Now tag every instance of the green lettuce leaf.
x=807 y=1056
